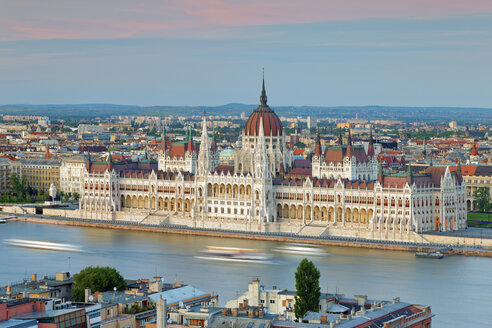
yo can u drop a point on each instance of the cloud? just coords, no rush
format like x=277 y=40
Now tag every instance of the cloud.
x=61 y=19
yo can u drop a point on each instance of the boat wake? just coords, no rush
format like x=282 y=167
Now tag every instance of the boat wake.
x=233 y=254
x=42 y=245
x=301 y=249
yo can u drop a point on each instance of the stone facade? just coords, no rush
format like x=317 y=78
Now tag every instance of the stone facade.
x=346 y=190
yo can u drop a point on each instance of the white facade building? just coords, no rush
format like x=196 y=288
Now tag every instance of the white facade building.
x=345 y=189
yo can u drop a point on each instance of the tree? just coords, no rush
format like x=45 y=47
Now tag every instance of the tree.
x=308 y=291
x=482 y=199
x=17 y=184
x=99 y=279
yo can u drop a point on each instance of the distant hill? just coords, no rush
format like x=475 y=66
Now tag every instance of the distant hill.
x=459 y=114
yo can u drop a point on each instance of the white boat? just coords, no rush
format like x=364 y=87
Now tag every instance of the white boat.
x=233 y=254
x=43 y=245
x=301 y=249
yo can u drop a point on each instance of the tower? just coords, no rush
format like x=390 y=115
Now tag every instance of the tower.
x=204 y=154
x=263 y=195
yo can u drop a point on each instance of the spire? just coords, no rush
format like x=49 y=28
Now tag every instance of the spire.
x=191 y=146
x=110 y=161
x=261 y=157
x=340 y=138
x=213 y=145
x=380 y=173
x=409 y=174
x=164 y=139
x=317 y=149
x=203 y=155
x=263 y=97
x=370 y=148
x=424 y=152
x=459 y=174
x=349 y=146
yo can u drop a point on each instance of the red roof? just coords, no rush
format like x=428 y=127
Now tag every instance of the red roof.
x=298 y=152
x=337 y=154
x=474 y=150
x=179 y=150
x=300 y=173
x=271 y=123
x=225 y=169
x=465 y=169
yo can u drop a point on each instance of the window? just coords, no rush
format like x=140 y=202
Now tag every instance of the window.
x=272 y=301
x=262 y=301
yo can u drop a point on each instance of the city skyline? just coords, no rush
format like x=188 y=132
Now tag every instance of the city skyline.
x=188 y=53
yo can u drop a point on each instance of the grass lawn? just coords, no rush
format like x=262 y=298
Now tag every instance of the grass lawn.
x=480 y=220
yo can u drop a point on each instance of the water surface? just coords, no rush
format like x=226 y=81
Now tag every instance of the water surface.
x=458 y=288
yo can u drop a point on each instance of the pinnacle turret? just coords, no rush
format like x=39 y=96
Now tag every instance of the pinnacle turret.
x=263 y=97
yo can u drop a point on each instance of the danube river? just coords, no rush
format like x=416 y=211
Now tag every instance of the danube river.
x=458 y=288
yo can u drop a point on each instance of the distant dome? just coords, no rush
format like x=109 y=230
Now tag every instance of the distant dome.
x=271 y=123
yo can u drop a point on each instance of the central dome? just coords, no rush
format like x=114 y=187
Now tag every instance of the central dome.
x=271 y=123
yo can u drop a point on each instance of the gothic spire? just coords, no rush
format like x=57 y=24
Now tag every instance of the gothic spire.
x=203 y=155
x=317 y=149
x=349 y=145
x=213 y=145
x=409 y=174
x=263 y=97
x=370 y=148
x=340 y=138
x=191 y=146
x=163 y=137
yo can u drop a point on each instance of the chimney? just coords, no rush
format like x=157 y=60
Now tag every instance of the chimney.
x=229 y=312
x=100 y=297
x=260 y=313
x=324 y=319
x=332 y=324
x=8 y=290
x=361 y=299
x=224 y=312
x=274 y=287
x=396 y=300
x=245 y=303
x=250 y=314
x=234 y=312
x=34 y=277
x=161 y=313
x=87 y=294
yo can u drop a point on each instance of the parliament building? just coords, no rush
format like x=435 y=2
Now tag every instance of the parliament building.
x=345 y=189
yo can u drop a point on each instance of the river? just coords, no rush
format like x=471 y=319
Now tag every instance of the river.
x=458 y=288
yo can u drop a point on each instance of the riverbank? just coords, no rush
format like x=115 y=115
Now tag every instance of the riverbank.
x=329 y=241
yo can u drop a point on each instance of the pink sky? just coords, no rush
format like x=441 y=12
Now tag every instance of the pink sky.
x=54 y=19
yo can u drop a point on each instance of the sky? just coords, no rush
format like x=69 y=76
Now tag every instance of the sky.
x=212 y=52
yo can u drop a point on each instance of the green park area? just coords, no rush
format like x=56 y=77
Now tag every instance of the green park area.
x=480 y=220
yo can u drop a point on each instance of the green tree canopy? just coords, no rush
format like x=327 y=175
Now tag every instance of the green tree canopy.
x=307 y=286
x=99 y=279
x=482 y=199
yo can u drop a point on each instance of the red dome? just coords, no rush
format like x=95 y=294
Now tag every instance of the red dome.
x=271 y=123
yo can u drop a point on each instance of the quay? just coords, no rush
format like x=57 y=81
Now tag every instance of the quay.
x=343 y=241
